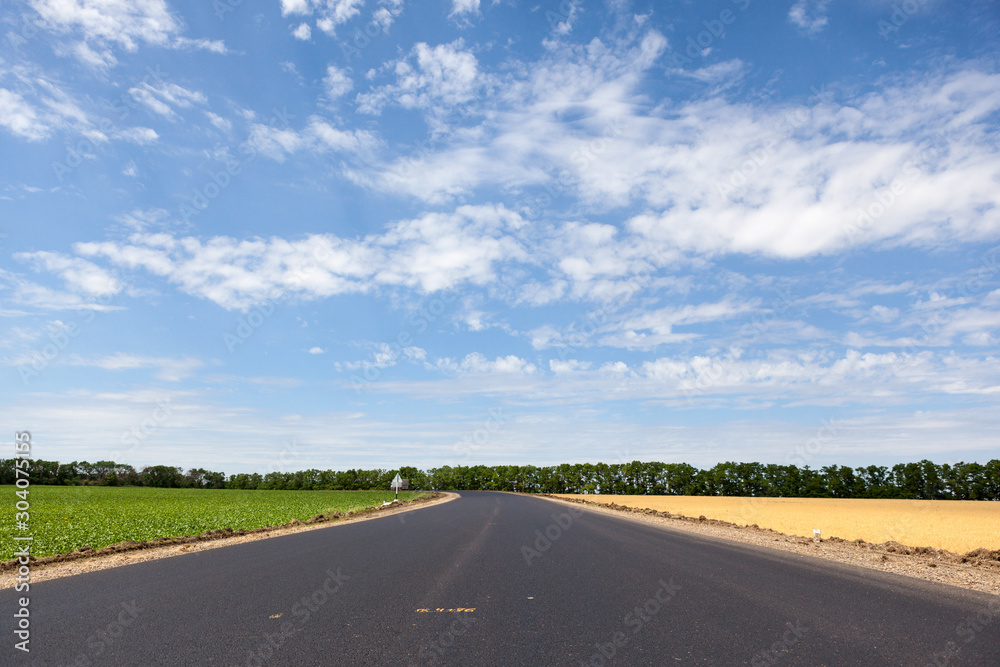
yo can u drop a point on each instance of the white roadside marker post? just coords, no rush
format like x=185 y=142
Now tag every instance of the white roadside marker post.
x=816 y=534
x=397 y=482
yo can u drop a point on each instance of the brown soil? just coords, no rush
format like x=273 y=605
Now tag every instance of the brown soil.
x=87 y=559
x=976 y=570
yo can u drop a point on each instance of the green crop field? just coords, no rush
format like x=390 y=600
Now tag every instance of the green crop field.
x=64 y=518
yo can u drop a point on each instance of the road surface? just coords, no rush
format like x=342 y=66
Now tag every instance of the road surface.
x=499 y=579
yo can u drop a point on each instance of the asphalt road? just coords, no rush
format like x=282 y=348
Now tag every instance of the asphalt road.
x=499 y=579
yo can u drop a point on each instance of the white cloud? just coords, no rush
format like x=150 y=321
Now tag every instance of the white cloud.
x=214 y=46
x=102 y=24
x=168 y=369
x=648 y=329
x=302 y=32
x=710 y=176
x=477 y=363
x=80 y=275
x=124 y=23
x=430 y=253
x=163 y=98
x=460 y=7
x=35 y=106
x=383 y=355
x=383 y=18
x=809 y=16
x=562 y=22
x=221 y=123
x=274 y=143
x=19 y=117
x=336 y=83
x=721 y=74
x=429 y=77
x=43 y=298
x=318 y=137
x=883 y=313
x=330 y=13
x=782 y=377
x=324 y=136
x=295 y=7
x=138 y=135
x=567 y=366
x=138 y=220
x=315 y=350
x=414 y=353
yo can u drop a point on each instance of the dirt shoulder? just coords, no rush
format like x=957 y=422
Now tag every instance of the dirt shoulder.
x=89 y=560
x=977 y=570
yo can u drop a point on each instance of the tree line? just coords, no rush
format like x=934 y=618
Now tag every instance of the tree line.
x=922 y=480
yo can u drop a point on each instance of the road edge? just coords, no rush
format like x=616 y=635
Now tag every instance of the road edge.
x=83 y=562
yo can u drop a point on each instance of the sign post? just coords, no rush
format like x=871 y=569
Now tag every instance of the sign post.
x=397 y=483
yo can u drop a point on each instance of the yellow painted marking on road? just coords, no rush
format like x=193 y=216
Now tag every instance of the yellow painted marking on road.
x=442 y=609
x=277 y=615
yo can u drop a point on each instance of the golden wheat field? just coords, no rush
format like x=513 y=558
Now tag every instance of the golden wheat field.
x=955 y=525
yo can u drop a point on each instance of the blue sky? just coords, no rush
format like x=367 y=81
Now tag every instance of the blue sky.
x=282 y=234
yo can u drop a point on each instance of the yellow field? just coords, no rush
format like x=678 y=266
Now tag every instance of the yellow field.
x=955 y=525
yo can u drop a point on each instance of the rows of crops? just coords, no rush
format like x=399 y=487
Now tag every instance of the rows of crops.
x=64 y=518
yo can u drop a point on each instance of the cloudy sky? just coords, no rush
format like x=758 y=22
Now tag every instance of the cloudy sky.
x=256 y=235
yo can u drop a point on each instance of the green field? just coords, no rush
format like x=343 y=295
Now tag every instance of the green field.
x=64 y=518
